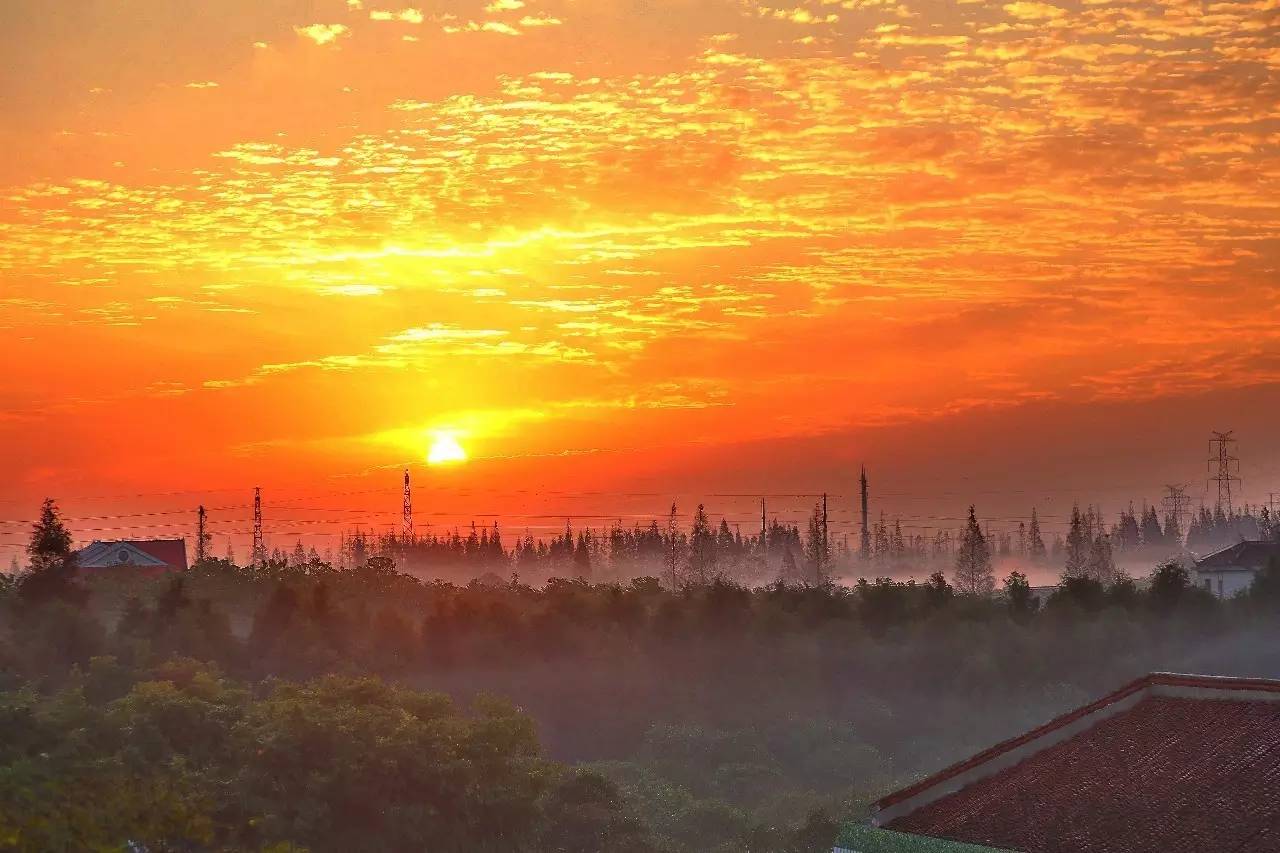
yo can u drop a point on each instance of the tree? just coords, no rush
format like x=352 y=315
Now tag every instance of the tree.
x=1077 y=547
x=53 y=563
x=1152 y=535
x=583 y=813
x=973 y=575
x=50 y=539
x=1102 y=564
x=1265 y=588
x=673 y=546
x=937 y=592
x=1017 y=595
x=817 y=554
x=1035 y=541
x=1169 y=584
x=702 y=546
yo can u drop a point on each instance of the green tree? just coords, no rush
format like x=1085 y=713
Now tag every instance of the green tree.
x=53 y=563
x=1077 y=564
x=973 y=574
x=1018 y=598
x=1035 y=541
x=702 y=547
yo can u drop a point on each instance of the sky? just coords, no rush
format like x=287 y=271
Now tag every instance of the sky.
x=630 y=251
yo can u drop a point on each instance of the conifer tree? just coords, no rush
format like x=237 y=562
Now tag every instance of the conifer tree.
x=53 y=564
x=702 y=546
x=973 y=562
x=1077 y=546
x=1035 y=542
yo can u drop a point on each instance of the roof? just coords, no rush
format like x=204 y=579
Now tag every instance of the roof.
x=1167 y=763
x=855 y=838
x=1249 y=554
x=142 y=553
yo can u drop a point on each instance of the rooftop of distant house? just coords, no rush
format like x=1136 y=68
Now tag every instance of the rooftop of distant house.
x=154 y=554
x=1247 y=554
x=1165 y=764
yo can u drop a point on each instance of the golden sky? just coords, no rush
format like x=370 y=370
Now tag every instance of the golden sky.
x=289 y=242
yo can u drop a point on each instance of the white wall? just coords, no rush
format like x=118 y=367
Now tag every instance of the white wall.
x=1224 y=584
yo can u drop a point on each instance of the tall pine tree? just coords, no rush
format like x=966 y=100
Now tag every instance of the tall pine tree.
x=973 y=562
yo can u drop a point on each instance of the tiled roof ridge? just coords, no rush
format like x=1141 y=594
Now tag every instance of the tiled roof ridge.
x=1141 y=685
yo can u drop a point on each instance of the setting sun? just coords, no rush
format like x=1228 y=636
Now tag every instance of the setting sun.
x=445 y=450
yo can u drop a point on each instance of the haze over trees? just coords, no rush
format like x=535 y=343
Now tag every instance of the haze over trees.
x=201 y=711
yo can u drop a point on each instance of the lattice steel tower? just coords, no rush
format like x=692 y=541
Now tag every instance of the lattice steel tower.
x=202 y=538
x=406 y=531
x=259 y=555
x=1224 y=468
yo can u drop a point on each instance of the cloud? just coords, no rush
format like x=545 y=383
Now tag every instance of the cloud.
x=352 y=290
x=1029 y=10
x=408 y=16
x=322 y=33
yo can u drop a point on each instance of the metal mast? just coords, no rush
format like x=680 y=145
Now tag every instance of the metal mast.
x=865 y=545
x=407 y=529
x=202 y=538
x=259 y=556
x=1222 y=464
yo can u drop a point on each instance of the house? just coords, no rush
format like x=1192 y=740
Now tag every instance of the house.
x=1165 y=764
x=1230 y=570
x=151 y=556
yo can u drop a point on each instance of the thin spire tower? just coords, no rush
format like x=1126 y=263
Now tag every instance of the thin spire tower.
x=407 y=529
x=259 y=556
x=865 y=544
x=202 y=537
x=764 y=536
x=825 y=556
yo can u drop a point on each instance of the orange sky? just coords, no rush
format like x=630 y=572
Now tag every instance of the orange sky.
x=634 y=247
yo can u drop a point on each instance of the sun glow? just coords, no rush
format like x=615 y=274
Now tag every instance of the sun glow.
x=445 y=450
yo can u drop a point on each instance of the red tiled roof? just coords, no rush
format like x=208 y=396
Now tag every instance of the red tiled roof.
x=171 y=551
x=1168 y=763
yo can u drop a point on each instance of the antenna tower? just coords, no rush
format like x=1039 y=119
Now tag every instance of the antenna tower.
x=259 y=556
x=407 y=528
x=202 y=538
x=865 y=544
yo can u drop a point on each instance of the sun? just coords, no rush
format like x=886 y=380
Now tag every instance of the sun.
x=445 y=449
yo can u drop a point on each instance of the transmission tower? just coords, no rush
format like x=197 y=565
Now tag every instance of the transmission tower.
x=865 y=544
x=407 y=529
x=259 y=556
x=1224 y=467
x=1176 y=503
x=202 y=538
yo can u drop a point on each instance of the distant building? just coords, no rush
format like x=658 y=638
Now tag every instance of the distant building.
x=1165 y=764
x=1230 y=570
x=151 y=556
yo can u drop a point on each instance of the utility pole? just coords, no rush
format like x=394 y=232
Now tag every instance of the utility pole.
x=202 y=538
x=1221 y=465
x=259 y=549
x=866 y=529
x=406 y=531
